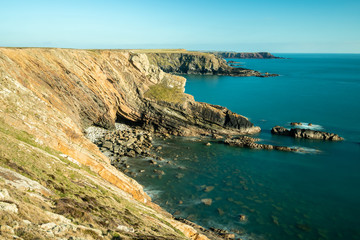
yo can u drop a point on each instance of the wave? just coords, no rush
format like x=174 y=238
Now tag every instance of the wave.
x=305 y=125
x=152 y=192
x=306 y=150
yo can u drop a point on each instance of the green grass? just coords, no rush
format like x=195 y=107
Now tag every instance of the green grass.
x=77 y=197
x=161 y=92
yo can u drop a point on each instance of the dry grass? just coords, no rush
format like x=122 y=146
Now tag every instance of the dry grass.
x=76 y=194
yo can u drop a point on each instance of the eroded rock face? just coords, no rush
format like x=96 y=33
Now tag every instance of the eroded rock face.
x=101 y=87
x=306 y=133
x=194 y=118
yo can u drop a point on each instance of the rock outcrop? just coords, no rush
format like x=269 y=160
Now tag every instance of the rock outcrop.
x=187 y=62
x=306 y=133
x=260 y=55
x=249 y=142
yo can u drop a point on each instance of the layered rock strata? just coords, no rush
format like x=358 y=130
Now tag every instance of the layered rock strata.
x=101 y=87
x=249 y=142
x=53 y=95
x=306 y=133
x=186 y=62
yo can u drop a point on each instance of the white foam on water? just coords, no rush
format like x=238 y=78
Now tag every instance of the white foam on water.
x=305 y=125
x=192 y=203
x=152 y=192
x=306 y=150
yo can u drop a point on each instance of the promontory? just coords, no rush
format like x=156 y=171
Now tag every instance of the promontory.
x=54 y=182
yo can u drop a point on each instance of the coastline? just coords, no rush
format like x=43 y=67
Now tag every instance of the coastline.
x=29 y=105
x=71 y=95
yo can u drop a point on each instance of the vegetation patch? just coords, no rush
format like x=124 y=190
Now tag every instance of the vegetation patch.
x=77 y=195
x=161 y=92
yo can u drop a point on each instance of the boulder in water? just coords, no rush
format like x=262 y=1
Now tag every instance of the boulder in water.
x=207 y=201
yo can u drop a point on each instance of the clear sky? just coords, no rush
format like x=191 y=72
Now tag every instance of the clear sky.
x=320 y=26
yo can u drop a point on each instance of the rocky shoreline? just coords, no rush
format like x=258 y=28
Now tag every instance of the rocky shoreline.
x=131 y=142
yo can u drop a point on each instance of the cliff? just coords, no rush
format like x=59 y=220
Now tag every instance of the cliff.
x=189 y=62
x=48 y=98
x=260 y=55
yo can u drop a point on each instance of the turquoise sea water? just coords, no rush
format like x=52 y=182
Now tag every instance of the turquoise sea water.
x=284 y=195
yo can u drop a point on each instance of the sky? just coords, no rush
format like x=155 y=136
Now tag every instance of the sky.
x=277 y=26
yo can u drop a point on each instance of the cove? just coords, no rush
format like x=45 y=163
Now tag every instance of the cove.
x=284 y=195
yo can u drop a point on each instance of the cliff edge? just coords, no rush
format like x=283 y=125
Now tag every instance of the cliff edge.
x=48 y=97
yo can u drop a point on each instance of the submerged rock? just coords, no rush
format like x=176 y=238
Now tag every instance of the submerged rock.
x=207 y=201
x=242 y=218
x=220 y=211
x=179 y=175
x=160 y=172
x=209 y=188
x=303 y=227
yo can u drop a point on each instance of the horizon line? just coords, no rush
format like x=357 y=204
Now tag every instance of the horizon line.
x=74 y=48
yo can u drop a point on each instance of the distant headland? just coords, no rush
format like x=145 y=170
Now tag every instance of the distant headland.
x=181 y=61
x=261 y=55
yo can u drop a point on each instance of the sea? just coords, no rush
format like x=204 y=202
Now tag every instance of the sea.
x=314 y=194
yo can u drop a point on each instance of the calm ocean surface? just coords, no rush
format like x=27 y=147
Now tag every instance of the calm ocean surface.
x=284 y=195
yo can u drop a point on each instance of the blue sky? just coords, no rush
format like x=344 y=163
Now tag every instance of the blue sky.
x=320 y=26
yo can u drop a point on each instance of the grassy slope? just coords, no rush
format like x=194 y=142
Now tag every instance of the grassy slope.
x=79 y=195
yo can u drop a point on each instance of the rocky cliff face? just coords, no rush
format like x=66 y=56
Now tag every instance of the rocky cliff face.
x=260 y=55
x=101 y=87
x=186 y=62
x=53 y=95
